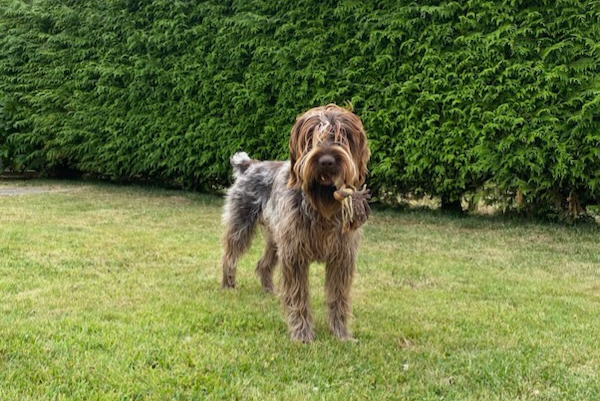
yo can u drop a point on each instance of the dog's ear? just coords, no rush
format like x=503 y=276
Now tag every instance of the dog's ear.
x=300 y=143
x=364 y=154
x=358 y=144
x=295 y=152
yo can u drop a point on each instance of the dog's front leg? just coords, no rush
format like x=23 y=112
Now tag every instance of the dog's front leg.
x=339 y=273
x=295 y=298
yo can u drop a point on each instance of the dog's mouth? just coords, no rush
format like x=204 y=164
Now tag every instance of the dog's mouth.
x=328 y=179
x=325 y=180
x=323 y=173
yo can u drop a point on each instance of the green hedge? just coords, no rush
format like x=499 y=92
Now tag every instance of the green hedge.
x=456 y=96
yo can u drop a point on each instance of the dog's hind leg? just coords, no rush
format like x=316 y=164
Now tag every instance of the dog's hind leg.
x=268 y=261
x=240 y=219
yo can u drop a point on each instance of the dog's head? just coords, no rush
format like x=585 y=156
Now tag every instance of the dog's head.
x=328 y=148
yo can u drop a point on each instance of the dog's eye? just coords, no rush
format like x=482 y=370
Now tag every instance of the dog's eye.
x=344 y=143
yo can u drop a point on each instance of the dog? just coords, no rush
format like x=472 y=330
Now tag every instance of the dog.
x=303 y=222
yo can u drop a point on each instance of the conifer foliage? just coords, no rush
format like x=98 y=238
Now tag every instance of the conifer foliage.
x=456 y=96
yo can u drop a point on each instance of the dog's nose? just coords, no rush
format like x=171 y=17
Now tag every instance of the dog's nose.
x=327 y=161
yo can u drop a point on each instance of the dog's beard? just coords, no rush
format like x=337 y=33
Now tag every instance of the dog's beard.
x=319 y=184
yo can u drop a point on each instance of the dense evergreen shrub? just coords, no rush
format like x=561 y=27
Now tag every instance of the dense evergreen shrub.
x=456 y=95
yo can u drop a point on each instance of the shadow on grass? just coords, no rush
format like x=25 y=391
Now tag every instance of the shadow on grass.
x=489 y=221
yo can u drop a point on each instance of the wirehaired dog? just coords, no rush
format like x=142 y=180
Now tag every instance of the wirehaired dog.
x=294 y=202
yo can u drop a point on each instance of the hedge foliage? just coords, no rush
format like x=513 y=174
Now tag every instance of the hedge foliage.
x=456 y=96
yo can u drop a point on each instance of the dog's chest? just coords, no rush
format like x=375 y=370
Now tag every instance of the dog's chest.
x=297 y=228
x=321 y=240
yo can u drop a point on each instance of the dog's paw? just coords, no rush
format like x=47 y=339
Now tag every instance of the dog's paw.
x=304 y=336
x=228 y=283
x=341 y=332
x=348 y=339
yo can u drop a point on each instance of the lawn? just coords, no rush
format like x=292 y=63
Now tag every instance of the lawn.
x=112 y=293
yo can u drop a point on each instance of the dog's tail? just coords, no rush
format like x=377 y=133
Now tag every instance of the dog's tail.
x=240 y=163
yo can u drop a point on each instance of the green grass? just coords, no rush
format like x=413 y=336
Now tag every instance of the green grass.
x=112 y=293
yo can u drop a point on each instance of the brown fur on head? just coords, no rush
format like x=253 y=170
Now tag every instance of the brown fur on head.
x=334 y=134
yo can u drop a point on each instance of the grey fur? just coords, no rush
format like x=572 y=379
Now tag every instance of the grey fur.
x=302 y=221
x=261 y=195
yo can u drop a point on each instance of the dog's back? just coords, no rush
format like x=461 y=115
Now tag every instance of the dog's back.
x=253 y=179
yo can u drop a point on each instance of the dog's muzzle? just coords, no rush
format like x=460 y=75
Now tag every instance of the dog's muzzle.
x=329 y=166
x=327 y=169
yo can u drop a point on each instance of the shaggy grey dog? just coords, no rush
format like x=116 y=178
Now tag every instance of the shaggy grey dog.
x=303 y=221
